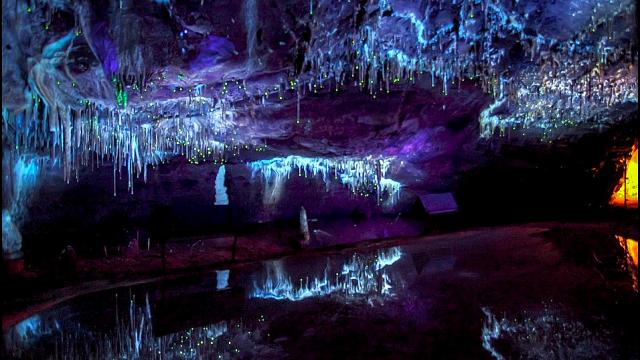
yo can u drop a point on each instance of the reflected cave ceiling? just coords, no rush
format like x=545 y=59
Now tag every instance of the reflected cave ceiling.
x=140 y=82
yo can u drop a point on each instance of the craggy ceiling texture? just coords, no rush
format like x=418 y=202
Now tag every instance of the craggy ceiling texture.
x=360 y=95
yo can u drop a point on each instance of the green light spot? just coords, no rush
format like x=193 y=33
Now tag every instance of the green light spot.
x=121 y=94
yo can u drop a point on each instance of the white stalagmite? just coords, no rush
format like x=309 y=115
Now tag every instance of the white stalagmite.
x=221 y=191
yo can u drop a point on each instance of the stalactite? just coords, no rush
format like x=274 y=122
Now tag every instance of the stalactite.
x=566 y=83
x=361 y=175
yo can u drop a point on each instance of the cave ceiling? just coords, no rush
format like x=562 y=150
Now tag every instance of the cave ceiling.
x=140 y=82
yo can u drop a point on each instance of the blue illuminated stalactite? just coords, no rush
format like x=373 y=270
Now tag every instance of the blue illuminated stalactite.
x=361 y=175
x=135 y=133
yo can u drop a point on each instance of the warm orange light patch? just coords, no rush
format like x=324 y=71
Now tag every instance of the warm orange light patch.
x=626 y=193
x=630 y=246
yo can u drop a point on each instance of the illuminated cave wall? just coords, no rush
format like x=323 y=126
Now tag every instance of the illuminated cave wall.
x=420 y=84
x=626 y=191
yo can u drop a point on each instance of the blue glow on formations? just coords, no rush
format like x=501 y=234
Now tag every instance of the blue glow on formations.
x=546 y=67
x=564 y=81
x=133 y=338
x=20 y=185
x=221 y=197
x=372 y=104
x=196 y=128
x=360 y=277
x=11 y=237
x=361 y=176
x=222 y=279
x=575 y=77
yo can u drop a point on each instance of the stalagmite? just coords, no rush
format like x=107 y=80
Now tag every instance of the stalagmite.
x=304 y=228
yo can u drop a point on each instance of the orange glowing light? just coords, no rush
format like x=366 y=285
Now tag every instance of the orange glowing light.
x=630 y=247
x=626 y=193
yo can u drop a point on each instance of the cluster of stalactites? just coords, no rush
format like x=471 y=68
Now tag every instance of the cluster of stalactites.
x=132 y=138
x=361 y=175
x=573 y=83
x=559 y=97
x=561 y=84
x=567 y=81
x=375 y=57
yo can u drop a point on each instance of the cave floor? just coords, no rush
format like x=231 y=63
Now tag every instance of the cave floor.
x=550 y=289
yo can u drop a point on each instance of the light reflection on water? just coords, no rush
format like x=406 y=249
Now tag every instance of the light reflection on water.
x=630 y=247
x=546 y=334
x=294 y=292
x=134 y=338
x=362 y=277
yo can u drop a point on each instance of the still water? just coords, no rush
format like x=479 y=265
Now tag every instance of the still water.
x=479 y=297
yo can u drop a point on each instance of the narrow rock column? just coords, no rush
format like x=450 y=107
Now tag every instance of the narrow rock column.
x=304 y=228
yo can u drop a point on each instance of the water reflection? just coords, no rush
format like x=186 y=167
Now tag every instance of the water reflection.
x=360 y=276
x=158 y=323
x=630 y=247
x=29 y=331
x=393 y=299
x=222 y=279
x=133 y=338
x=546 y=334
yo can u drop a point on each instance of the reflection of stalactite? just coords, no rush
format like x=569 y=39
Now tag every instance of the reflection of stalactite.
x=132 y=338
x=359 y=277
x=550 y=331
